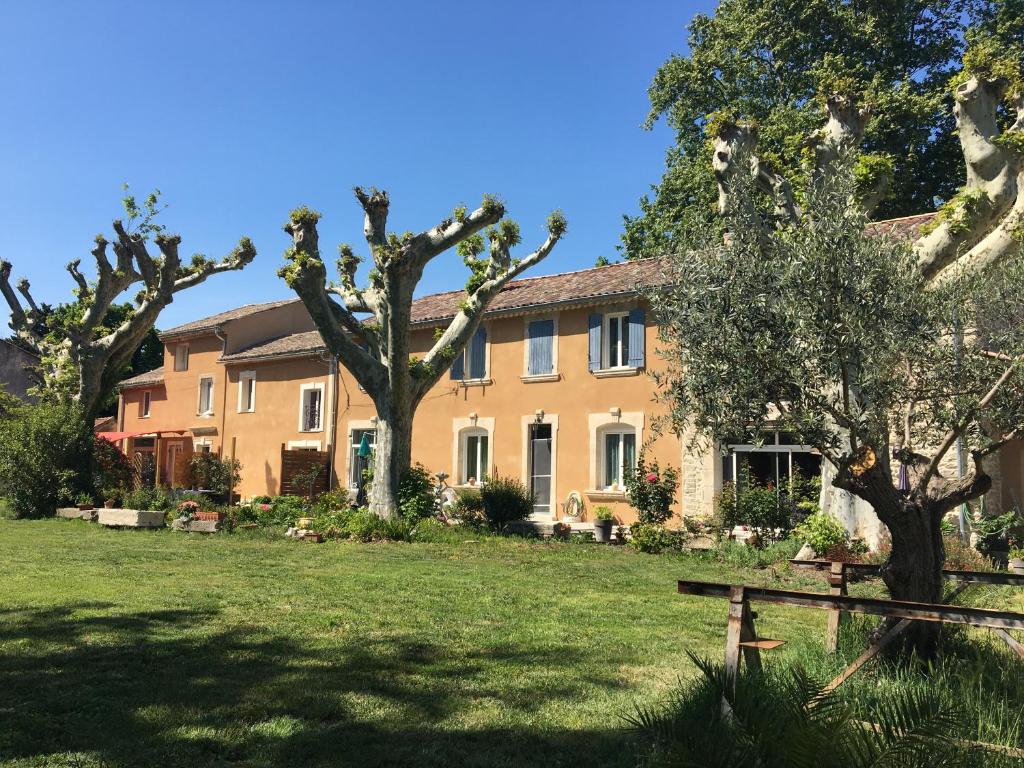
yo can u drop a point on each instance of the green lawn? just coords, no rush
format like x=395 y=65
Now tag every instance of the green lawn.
x=128 y=648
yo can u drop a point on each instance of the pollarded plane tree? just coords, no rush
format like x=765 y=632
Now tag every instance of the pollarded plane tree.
x=367 y=328
x=880 y=354
x=81 y=356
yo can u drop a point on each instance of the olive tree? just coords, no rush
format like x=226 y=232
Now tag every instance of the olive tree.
x=82 y=353
x=367 y=328
x=839 y=336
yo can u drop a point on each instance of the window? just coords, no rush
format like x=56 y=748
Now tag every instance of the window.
x=473 y=360
x=473 y=468
x=206 y=396
x=616 y=341
x=357 y=465
x=311 y=406
x=618 y=455
x=770 y=464
x=181 y=357
x=144 y=405
x=247 y=391
x=540 y=344
x=201 y=445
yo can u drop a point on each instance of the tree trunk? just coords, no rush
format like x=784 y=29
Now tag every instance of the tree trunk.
x=914 y=568
x=391 y=458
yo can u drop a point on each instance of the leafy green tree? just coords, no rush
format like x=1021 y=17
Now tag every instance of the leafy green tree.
x=774 y=66
x=378 y=353
x=839 y=337
x=46 y=455
x=85 y=345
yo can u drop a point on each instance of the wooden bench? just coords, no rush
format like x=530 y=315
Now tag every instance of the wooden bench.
x=741 y=633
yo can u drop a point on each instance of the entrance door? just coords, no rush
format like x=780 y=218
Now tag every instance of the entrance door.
x=173 y=452
x=540 y=468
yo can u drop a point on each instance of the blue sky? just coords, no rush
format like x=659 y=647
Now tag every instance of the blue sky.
x=240 y=111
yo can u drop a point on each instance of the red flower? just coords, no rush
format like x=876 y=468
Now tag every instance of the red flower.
x=652 y=478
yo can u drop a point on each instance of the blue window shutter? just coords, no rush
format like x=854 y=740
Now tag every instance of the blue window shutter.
x=594 y=327
x=478 y=354
x=636 y=338
x=459 y=367
x=541 y=352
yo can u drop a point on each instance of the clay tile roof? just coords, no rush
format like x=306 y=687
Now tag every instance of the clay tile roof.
x=307 y=342
x=564 y=288
x=211 y=322
x=904 y=228
x=144 y=379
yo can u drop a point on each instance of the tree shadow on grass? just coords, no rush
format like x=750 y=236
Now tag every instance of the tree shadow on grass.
x=81 y=687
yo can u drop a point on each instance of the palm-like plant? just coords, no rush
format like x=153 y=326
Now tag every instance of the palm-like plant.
x=787 y=720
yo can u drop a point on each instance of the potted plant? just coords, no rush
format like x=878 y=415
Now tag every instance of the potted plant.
x=603 y=522
x=110 y=497
x=83 y=501
x=187 y=510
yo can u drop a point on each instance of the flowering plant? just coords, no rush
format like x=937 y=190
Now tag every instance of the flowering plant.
x=187 y=509
x=651 y=490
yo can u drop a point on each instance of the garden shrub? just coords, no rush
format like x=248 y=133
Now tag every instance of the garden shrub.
x=822 y=532
x=112 y=473
x=736 y=554
x=46 y=455
x=209 y=472
x=655 y=539
x=156 y=499
x=651 y=490
x=961 y=556
x=505 y=500
x=416 y=493
x=468 y=508
x=770 y=513
x=366 y=526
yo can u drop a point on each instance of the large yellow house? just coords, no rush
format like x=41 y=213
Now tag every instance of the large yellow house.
x=556 y=389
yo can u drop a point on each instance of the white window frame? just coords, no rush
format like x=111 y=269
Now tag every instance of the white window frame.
x=202 y=445
x=482 y=472
x=620 y=431
x=181 y=356
x=303 y=389
x=353 y=446
x=622 y=318
x=528 y=377
x=246 y=380
x=733 y=451
x=599 y=424
x=199 y=399
x=146 y=404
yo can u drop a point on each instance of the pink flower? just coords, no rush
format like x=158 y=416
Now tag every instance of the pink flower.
x=652 y=478
x=265 y=507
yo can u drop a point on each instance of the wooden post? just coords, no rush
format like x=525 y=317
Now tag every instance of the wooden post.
x=733 y=633
x=741 y=635
x=836 y=586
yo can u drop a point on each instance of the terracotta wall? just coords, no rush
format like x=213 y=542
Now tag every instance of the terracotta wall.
x=255 y=438
x=577 y=405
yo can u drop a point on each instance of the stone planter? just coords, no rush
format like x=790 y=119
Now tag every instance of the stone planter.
x=195 y=526
x=603 y=531
x=1016 y=566
x=131 y=518
x=74 y=513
